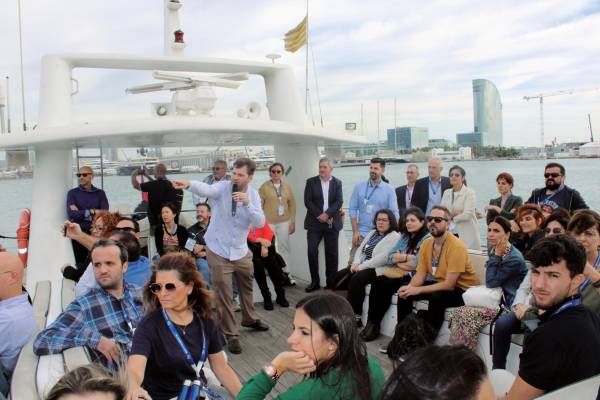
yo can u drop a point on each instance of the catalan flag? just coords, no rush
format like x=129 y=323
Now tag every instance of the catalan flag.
x=297 y=37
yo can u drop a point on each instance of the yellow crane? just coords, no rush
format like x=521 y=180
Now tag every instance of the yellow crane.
x=550 y=94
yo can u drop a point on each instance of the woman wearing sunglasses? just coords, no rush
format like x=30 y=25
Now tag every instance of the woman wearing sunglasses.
x=461 y=202
x=556 y=223
x=177 y=335
x=326 y=350
x=279 y=206
x=169 y=236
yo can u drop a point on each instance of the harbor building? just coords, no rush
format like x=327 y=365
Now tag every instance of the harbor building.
x=487 y=112
x=407 y=138
x=470 y=139
x=441 y=143
x=463 y=153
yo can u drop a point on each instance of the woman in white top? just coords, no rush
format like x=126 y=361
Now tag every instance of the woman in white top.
x=460 y=200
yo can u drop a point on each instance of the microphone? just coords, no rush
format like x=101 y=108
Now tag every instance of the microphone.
x=234 y=188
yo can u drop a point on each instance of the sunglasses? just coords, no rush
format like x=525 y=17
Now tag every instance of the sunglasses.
x=125 y=229
x=157 y=287
x=276 y=171
x=555 y=231
x=79 y=175
x=437 y=220
x=551 y=175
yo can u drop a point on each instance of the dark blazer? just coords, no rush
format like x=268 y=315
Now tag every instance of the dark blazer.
x=401 y=197
x=420 y=195
x=313 y=200
x=513 y=202
x=182 y=237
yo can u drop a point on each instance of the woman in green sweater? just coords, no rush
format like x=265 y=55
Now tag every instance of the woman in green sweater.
x=327 y=350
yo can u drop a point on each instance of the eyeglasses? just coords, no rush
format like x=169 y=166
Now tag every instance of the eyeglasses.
x=276 y=171
x=97 y=228
x=79 y=175
x=125 y=229
x=437 y=220
x=554 y=231
x=157 y=287
x=553 y=175
x=217 y=168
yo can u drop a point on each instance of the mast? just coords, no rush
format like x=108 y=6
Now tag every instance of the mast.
x=22 y=74
x=173 y=35
x=306 y=65
x=591 y=132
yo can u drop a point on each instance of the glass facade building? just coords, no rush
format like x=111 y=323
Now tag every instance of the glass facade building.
x=407 y=138
x=487 y=110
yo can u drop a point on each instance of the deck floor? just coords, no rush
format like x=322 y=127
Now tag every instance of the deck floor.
x=259 y=348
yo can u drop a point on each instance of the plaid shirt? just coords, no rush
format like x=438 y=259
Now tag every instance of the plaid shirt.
x=91 y=316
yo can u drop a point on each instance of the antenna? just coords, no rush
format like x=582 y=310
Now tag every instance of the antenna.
x=22 y=74
x=591 y=132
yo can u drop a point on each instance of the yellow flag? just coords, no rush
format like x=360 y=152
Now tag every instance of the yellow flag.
x=297 y=37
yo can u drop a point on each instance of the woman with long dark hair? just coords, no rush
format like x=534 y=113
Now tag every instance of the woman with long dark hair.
x=177 y=335
x=401 y=262
x=326 y=349
x=169 y=236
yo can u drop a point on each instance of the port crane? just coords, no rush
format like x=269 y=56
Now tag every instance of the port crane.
x=541 y=96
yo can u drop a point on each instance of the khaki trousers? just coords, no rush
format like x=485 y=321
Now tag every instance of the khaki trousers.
x=221 y=270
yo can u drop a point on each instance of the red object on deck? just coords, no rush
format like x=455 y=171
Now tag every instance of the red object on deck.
x=23 y=235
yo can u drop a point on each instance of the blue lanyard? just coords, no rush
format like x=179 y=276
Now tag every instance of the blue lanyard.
x=432 y=188
x=552 y=195
x=568 y=304
x=434 y=263
x=196 y=367
x=587 y=280
x=127 y=296
x=367 y=195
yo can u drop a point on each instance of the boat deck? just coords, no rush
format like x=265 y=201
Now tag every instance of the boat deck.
x=259 y=348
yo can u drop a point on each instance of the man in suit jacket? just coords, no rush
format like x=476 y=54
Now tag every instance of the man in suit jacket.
x=428 y=191
x=404 y=193
x=323 y=200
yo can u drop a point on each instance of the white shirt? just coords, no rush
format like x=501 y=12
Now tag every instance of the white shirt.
x=325 y=189
x=227 y=234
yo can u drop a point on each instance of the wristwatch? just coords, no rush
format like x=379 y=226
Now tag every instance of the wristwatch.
x=272 y=372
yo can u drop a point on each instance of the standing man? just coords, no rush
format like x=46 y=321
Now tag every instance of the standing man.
x=160 y=191
x=404 y=193
x=323 y=200
x=235 y=205
x=565 y=346
x=82 y=204
x=196 y=243
x=17 y=323
x=368 y=197
x=428 y=191
x=279 y=205
x=556 y=194
x=219 y=170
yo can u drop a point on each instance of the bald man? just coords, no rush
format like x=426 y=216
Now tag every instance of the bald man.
x=82 y=204
x=17 y=323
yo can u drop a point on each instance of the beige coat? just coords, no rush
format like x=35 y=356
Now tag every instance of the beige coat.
x=465 y=223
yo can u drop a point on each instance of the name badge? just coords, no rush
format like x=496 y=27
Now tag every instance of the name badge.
x=369 y=208
x=280 y=210
x=189 y=245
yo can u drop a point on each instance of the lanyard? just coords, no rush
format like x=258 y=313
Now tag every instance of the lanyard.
x=435 y=262
x=552 y=195
x=434 y=190
x=367 y=195
x=127 y=296
x=409 y=194
x=587 y=280
x=196 y=367
x=568 y=304
x=278 y=192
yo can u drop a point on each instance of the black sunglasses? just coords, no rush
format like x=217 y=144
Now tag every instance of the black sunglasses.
x=276 y=171
x=555 y=231
x=157 y=287
x=553 y=175
x=437 y=220
x=79 y=175
x=125 y=229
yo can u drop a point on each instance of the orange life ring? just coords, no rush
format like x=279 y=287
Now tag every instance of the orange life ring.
x=23 y=235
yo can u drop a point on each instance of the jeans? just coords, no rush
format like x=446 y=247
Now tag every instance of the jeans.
x=4 y=382
x=504 y=328
x=202 y=265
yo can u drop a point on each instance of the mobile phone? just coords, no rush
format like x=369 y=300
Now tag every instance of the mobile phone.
x=64 y=230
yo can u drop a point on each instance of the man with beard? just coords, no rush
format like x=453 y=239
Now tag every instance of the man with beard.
x=556 y=194
x=565 y=347
x=367 y=198
x=104 y=318
x=196 y=243
x=444 y=257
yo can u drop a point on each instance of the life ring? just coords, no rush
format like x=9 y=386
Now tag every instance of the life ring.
x=23 y=235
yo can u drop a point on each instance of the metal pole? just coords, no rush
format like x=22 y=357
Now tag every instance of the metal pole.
x=395 y=129
x=7 y=104
x=377 y=125
x=591 y=131
x=22 y=75
x=306 y=67
x=542 y=149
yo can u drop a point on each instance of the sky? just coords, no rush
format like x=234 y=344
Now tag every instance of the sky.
x=425 y=54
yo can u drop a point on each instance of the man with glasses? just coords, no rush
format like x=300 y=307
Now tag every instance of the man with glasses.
x=444 y=257
x=82 y=204
x=279 y=205
x=556 y=194
x=219 y=173
x=103 y=319
x=429 y=190
x=404 y=193
x=17 y=323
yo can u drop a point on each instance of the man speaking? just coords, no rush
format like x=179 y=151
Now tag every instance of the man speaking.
x=235 y=205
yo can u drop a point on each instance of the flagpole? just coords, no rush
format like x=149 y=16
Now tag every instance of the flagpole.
x=306 y=66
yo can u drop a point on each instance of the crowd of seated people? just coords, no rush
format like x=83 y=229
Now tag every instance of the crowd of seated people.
x=184 y=318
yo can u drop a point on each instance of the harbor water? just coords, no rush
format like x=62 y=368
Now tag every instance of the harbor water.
x=582 y=174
